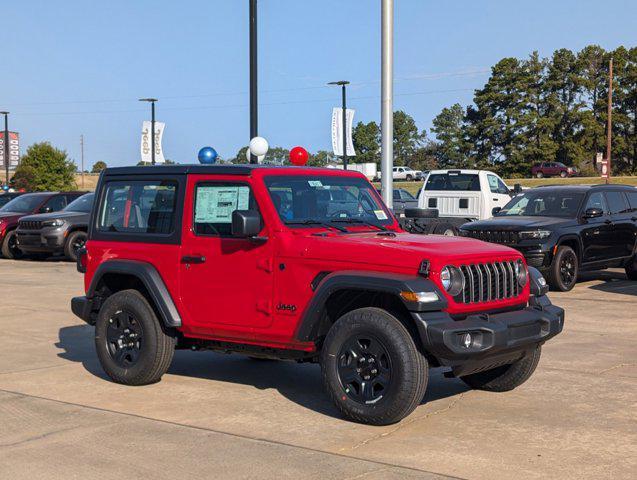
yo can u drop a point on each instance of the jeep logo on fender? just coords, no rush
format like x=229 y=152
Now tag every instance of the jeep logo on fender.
x=286 y=307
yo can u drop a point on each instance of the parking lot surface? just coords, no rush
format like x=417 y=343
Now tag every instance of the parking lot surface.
x=225 y=416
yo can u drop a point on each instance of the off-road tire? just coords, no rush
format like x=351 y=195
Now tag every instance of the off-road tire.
x=555 y=278
x=70 y=252
x=505 y=377
x=8 y=249
x=631 y=269
x=539 y=175
x=408 y=366
x=157 y=347
x=446 y=229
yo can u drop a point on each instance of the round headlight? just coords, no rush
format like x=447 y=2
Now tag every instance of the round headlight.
x=521 y=273
x=452 y=280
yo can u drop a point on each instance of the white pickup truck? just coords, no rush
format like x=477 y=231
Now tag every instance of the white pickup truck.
x=450 y=198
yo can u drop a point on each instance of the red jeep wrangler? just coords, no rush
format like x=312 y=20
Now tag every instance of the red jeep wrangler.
x=302 y=264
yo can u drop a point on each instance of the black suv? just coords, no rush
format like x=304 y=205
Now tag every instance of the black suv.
x=564 y=229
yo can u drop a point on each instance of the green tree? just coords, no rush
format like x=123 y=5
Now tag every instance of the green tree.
x=451 y=149
x=407 y=138
x=366 y=139
x=98 y=166
x=319 y=159
x=44 y=167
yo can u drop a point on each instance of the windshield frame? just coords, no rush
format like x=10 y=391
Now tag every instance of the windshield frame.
x=538 y=193
x=373 y=221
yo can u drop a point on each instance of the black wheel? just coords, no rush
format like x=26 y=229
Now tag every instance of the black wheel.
x=74 y=242
x=446 y=229
x=131 y=345
x=10 y=246
x=372 y=368
x=539 y=175
x=409 y=178
x=506 y=377
x=631 y=269
x=564 y=269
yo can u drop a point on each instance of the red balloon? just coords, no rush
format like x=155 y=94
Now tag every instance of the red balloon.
x=299 y=156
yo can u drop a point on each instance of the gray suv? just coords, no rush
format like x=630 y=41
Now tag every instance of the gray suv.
x=57 y=232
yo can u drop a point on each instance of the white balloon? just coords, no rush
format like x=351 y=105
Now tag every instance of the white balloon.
x=259 y=146
x=259 y=158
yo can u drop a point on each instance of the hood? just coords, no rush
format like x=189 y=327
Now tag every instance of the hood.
x=517 y=223
x=11 y=216
x=62 y=215
x=405 y=250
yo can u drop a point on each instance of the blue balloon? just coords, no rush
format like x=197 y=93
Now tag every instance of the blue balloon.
x=207 y=155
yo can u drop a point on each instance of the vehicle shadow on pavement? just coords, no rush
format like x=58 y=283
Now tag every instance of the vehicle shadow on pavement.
x=613 y=282
x=299 y=383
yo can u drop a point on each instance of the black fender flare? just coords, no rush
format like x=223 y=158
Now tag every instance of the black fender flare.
x=577 y=239
x=151 y=279
x=392 y=283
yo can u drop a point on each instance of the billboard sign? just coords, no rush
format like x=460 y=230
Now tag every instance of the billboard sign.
x=145 y=146
x=14 y=150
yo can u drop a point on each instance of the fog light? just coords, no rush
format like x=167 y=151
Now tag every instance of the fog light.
x=466 y=340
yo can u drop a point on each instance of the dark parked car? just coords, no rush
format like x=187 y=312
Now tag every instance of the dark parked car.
x=27 y=204
x=7 y=197
x=553 y=169
x=563 y=230
x=402 y=199
x=56 y=232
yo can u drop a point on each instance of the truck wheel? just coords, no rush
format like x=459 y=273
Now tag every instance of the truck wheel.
x=372 y=368
x=409 y=178
x=506 y=377
x=131 y=345
x=74 y=242
x=10 y=248
x=446 y=229
x=539 y=175
x=562 y=274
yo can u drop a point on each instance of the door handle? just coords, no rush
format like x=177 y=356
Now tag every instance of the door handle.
x=633 y=219
x=193 y=259
x=608 y=222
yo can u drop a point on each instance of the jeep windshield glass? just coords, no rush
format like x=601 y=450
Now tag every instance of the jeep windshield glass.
x=23 y=204
x=82 y=204
x=303 y=200
x=540 y=203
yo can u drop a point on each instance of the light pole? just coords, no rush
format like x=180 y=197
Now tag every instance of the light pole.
x=343 y=83
x=254 y=108
x=387 y=100
x=152 y=126
x=6 y=146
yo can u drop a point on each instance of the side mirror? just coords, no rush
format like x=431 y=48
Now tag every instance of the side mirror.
x=246 y=223
x=495 y=210
x=45 y=210
x=593 y=213
x=517 y=188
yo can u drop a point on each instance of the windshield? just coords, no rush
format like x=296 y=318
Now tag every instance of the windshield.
x=453 y=182
x=82 y=204
x=23 y=203
x=4 y=199
x=543 y=204
x=328 y=200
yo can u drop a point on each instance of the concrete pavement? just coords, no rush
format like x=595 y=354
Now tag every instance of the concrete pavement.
x=226 y=416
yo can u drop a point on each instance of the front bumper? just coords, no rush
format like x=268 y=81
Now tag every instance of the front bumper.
x=46 y=240
x=495 y=339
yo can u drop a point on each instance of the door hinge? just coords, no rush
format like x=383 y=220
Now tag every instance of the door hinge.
x=264 y=306
x=265 y=264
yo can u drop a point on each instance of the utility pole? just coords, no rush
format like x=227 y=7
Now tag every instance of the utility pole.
x=82 y=157
x=152 y=126
x=609 y=126
x=6 y=146
x=254 y=108
x=343 y=84
x=387 y=101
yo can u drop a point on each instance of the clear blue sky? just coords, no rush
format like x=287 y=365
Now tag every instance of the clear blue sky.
x=77 y=67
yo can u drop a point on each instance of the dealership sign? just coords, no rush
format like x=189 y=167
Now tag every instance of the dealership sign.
x=146 y=145
x=14 y=149
x=337 y=131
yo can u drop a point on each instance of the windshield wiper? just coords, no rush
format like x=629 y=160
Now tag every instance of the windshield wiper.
x=311 y=221
x=358 y=220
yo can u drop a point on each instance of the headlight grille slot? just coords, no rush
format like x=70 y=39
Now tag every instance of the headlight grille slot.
x=488 y=282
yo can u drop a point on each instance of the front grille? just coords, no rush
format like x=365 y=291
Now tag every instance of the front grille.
x=30 y=225
x=487 y=282
x=504 y=237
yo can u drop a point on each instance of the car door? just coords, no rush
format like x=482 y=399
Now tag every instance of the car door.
x=622 y=227
x=225 y=282
x=597 y=233
x=498 y=194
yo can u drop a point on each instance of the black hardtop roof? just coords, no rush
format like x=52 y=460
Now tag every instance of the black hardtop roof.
x=222 y=169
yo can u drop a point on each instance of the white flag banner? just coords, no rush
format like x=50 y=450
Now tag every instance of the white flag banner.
x=146 y=142
x=337 y=131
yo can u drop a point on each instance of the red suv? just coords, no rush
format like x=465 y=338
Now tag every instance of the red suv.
x=553 y=169
x=302 y=264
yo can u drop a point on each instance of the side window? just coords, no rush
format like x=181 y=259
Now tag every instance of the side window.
x=493 y=183
x=616 y=202
x=596 y=200
x=143 y=207
x=406 y=195
x=632 y=200
x=58 y=202
x=396 y=195
x=214 y=204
